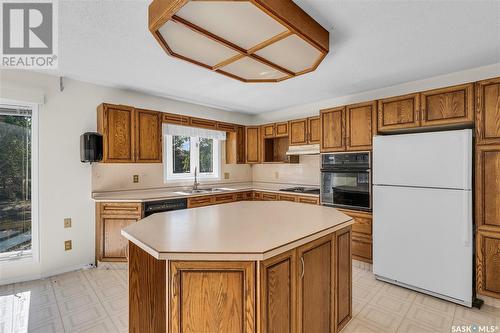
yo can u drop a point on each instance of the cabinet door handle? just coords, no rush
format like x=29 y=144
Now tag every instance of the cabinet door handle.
x=172 y=291
x=303 y=267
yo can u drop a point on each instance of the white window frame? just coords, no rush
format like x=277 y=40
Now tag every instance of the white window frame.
x=169 y=176
x=32 y=255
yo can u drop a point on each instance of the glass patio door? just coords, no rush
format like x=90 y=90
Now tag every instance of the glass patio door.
x=15 y=182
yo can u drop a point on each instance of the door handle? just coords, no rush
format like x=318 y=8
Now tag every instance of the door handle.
x=303 y=267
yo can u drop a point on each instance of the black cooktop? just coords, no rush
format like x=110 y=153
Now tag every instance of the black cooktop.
x=299 y=189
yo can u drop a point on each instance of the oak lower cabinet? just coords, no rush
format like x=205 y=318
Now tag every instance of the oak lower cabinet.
x=212 y=296
x=362 y=242
x=308 y=289
x=111 y=217
x=488 y=263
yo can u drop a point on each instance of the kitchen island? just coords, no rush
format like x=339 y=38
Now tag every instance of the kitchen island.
x=241 y=267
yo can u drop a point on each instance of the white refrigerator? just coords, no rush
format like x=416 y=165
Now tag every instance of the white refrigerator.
x=422 y=213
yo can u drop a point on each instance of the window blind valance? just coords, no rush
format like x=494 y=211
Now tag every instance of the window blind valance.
x=170 y=129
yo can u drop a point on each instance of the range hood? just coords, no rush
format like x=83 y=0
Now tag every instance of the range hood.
x=303 y=150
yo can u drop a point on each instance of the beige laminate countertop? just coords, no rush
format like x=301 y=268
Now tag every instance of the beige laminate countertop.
x=174 y=193
x=248 y=230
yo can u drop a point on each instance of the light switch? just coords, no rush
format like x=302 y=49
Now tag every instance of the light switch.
x=67 y=245
x=67 y=222
x=226 y=175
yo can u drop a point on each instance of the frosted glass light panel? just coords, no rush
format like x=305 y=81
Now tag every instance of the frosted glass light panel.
x=190 y=44
x=238 y=22
x=251 y=69
x=247 y=40
x=292 y=53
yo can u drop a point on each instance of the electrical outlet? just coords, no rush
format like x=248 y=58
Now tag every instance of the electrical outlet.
x=276 y=175
x=136 y=178
x=226 y=175
x=68 y=245
x=67 y=222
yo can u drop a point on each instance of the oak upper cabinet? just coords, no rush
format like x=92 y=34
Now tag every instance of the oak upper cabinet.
x=116 y=124
x=297 y=132
x=227 y=287
x=313 y=129
x=315 y=283
x=487 y=186
x=448 y=106
x=278 y=293
x=488 y=263
x=304 y=131
x=360 y=126
x=252 y=147
x=148 y=136
x=235 y=146
x=281 y=129
x=268 y=131
x=129 y=134
x=398 y=113
x=332 y=129
x=488 y=111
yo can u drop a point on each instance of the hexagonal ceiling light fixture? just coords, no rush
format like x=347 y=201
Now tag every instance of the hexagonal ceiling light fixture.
x=249 y=40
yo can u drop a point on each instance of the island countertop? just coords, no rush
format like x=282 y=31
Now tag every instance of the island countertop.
x=250 y=230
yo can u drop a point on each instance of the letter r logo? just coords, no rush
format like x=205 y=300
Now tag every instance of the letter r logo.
x=27 y=28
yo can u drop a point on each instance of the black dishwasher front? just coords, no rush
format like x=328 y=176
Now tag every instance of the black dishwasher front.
x=151 y=207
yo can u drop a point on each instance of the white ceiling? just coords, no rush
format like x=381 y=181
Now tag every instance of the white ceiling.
x=373 y=44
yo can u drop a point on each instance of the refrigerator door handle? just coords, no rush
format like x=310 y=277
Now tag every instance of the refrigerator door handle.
x=467 y=218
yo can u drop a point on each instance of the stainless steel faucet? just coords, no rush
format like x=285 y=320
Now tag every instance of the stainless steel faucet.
x=195 y=184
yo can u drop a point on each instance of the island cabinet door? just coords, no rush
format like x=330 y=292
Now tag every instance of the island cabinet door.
x=315 y=286
x=278 y=296
x=343 y=278
x=212 y=296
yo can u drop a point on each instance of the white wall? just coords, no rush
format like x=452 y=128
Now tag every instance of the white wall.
x=307 y=172
x=65 y=182
x=312 y=109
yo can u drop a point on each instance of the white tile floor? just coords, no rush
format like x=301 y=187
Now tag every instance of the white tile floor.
x=96 y=301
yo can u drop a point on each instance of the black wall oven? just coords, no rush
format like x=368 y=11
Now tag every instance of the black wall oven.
x=346 y=180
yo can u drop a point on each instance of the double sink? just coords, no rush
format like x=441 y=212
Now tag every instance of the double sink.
x=205 y=190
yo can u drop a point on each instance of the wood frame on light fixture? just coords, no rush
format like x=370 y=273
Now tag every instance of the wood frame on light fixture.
x=285 y=12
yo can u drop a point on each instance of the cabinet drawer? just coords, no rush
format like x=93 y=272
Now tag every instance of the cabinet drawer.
x=257 y=195
x=309 y=200
x=223 y=198
x=200 y=201
x=269 y=196
x=362 y=225
x=361 y=247
x=284 y=197
x=241 y=196
x=121 y=208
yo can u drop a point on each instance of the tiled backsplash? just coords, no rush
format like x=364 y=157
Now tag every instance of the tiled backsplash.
x=119 y=176
x=307 y=172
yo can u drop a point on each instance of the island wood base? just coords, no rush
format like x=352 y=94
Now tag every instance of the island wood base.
x=306 y=289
